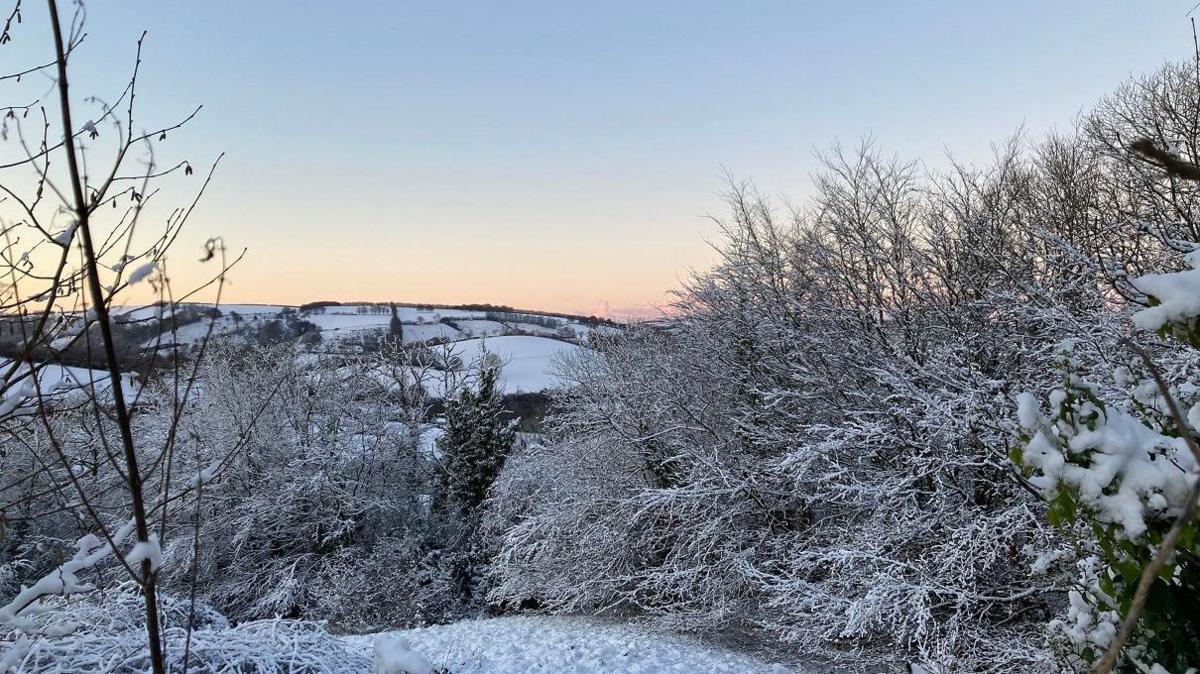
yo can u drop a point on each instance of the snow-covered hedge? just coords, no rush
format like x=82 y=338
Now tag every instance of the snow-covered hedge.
x=317 y=480
x=817 y=446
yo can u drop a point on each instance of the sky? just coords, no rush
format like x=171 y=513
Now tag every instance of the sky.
x=563 y=155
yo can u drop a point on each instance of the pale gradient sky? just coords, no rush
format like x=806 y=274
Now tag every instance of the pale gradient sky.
x=557 y=155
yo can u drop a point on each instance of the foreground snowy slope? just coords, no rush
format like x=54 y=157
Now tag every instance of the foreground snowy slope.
x=522 y=645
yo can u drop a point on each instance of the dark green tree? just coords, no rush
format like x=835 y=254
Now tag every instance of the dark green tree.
x=476 y=443
x=474 y=447
x=395 y=327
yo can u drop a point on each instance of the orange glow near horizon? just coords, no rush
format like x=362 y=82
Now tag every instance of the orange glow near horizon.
x=616 y=278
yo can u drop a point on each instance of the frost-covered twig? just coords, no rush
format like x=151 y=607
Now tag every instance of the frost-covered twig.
x=64 y=580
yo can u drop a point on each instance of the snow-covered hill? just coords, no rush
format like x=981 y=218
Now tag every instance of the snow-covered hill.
x=528 y=345
x=20 y=391
x=342 y=324
x=528 y=363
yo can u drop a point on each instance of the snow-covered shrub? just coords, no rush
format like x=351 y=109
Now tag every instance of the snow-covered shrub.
x=104 y=632
x=304 y=486
x=629 y=507
x=816 y=447
x=1116 y=455
x=322 y=511
x=1123 y=469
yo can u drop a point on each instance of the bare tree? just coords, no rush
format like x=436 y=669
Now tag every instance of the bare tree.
x=66 y=262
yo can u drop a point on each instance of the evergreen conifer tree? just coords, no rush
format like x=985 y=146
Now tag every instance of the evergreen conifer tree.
x=476 y=442
x=474 y=447
x=395 y=327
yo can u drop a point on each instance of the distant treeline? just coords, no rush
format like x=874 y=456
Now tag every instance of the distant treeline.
x=497 y=309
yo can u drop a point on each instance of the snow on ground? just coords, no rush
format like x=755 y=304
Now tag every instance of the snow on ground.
x=565 y=645
x=249 y=309
x=534 y=329
x=422 y=332
x=481 y=328
x=529 y=362
x=54 y=380
x=155 y=311
x=412 y=314
x=329 y=322
x=192 y=333
x=133 y=314
x=54 y=377
x=418 y=325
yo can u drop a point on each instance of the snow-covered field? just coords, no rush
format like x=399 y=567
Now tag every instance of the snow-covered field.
x=529 y=362
x=54 y=377
x=481 y=328
x=526 y=644
x=52 y=380
x=349 y=324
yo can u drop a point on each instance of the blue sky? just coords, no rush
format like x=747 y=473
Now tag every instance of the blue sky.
x=562 y=154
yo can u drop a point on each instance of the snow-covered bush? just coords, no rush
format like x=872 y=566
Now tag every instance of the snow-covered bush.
x=323 y=508
x=1123 y=466
x=303 y=486
x=816 y=447
x=103 y=631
